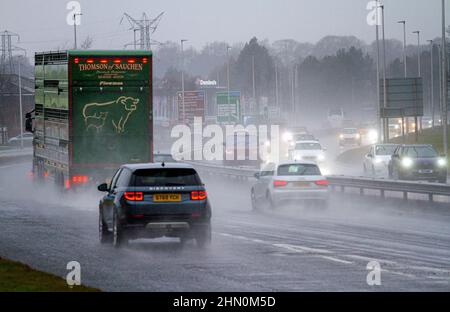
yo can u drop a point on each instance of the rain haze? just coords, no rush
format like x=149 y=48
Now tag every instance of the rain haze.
x=262 y=146
x=203 y=21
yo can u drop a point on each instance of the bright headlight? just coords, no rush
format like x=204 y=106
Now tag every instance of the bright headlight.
x=341 y=137
x=442 y=162
x=358 y=136
x=287 y=136
x=373 y=135
x=267 y=144
x=407 y=162
x=321 y=157
x=378 y=160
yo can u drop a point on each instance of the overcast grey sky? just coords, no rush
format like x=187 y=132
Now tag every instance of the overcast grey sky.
x=42 y=24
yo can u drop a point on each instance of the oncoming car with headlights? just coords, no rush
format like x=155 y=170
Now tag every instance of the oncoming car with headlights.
x=378 y=158
x=290 y=182
x=308 y=151
x=154 y=200
x=349 y=136
x=418 y=162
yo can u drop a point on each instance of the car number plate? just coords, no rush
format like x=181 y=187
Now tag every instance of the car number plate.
x=167 y=197
x=425 y=171
x=301 y=184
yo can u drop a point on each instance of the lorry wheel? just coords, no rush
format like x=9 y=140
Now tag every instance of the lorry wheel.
x=104 y=235
x=203 y=237
x=117 y=236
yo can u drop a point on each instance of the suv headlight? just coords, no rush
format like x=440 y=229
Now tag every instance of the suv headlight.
x=442 y=162
x=287 y=136
x=321 y=157
x=407 y=162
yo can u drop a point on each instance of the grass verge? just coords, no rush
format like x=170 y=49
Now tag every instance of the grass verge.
x=17 y=277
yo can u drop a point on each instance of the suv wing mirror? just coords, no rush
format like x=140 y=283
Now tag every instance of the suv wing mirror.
x=257 y=175
x=103 y=187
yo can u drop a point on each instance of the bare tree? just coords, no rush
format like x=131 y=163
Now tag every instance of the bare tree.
x=87 y=43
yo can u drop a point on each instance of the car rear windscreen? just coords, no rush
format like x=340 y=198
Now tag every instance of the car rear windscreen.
x=299 y=170
x=166 y=177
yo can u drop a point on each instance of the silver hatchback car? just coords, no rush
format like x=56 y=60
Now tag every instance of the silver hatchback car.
x=288 y=182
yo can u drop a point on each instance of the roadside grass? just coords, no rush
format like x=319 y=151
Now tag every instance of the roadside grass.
x=427 y=136
x=17 y=277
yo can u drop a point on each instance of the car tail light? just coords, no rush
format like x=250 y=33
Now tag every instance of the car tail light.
x=67 y=184
x=134 y=196
x=198 y=195
x=322 y=183
x=80 y=179
x=278 y=183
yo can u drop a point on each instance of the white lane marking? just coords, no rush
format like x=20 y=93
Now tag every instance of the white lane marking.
x=335 y=259
x=315 y=252
x=302 y=248
x=368 y=259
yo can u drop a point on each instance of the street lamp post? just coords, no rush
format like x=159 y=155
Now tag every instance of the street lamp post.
x=432 y=84
x=416 y=126
x=20 y=106
x=182 y=79
x=444 y=81
x=228 y=84
x=404 y=125
x=75 y=28
x=380 y=128
x=386 y=120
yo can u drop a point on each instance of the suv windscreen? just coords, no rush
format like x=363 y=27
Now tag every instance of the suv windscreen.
x=350 y=131
x=166 y=177
x=308 y=146
x=383 y=150
x=420 y=152
x=299 y=170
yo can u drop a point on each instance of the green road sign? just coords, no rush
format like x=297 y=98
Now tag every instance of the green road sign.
x=404 y=98
x=228 y=107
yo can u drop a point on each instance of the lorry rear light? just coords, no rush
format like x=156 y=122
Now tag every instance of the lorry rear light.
x=46 y=174
x=322 y=183
x=279 y=183
x=196 y=214
x=144 y=60
x=117 y=61
x=80 y=179
x=89 y=61
x=198 y=195
x=76 y=60
x=137 y=216
x=134 y=196
x=103 y=61
x=131 y=61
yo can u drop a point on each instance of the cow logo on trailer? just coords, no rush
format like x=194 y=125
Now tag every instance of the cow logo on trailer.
x=97 y=115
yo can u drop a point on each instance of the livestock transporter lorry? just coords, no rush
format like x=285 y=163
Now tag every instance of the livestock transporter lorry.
x=93 y=113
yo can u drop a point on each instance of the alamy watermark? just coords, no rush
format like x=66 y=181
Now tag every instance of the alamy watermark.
x=73 y=278
x=73 y=17
x=230 y=142
x=374 y=276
